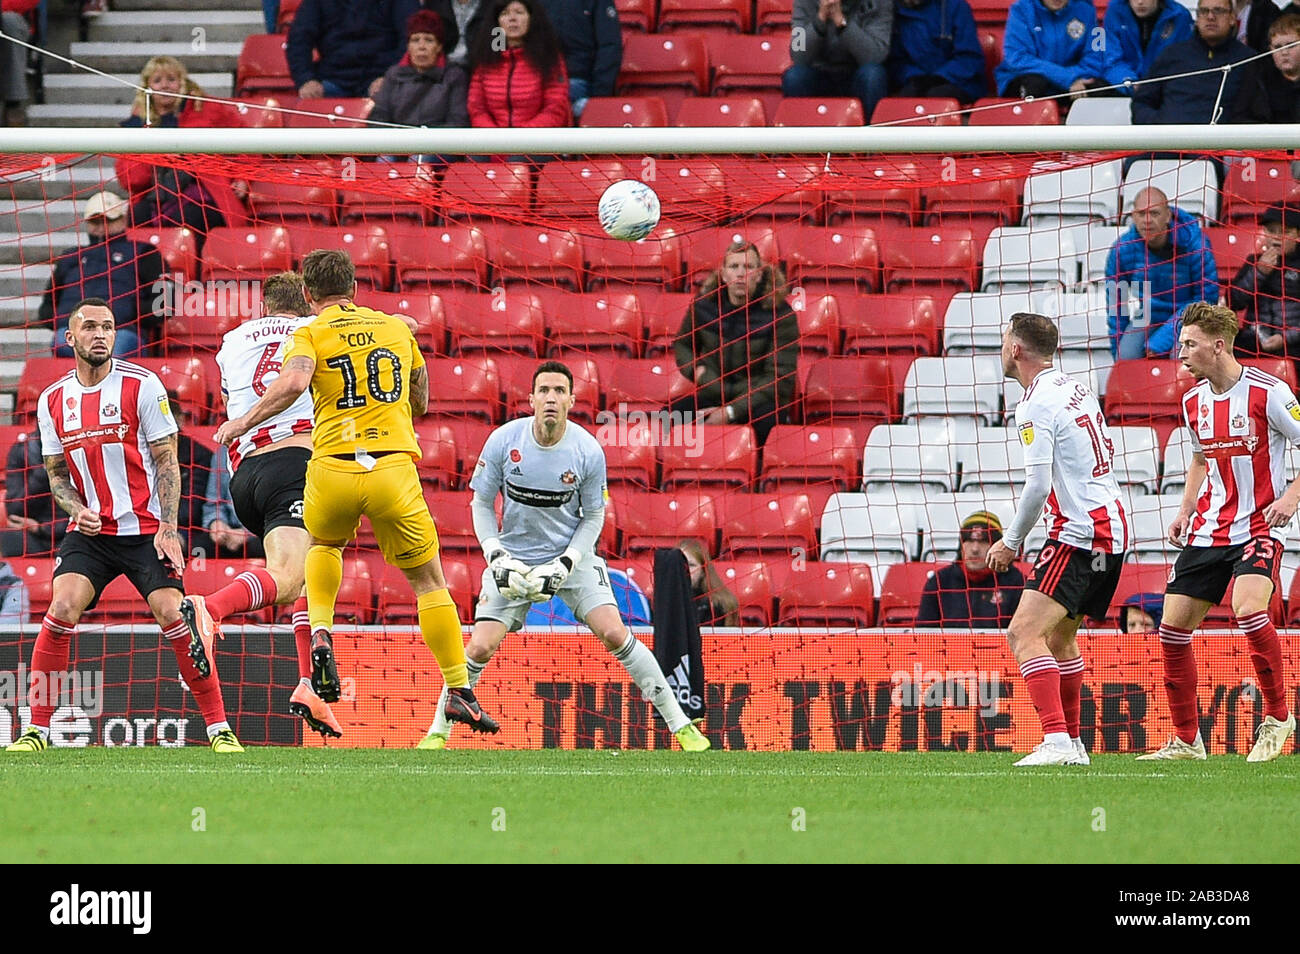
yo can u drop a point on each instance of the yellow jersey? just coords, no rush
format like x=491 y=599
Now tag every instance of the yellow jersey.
x=361 y=388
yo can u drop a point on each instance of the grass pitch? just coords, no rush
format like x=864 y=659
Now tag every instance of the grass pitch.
x=290 y=805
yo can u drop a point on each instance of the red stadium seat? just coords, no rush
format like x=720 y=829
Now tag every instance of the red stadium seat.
x=861 y=388
x=630 y=458
x=818 y=111
x=750 y=584
x=355 y=602
x=189 y=380
x=510 y=321
x=713 y=455
x=655 y=260
x=451 y=513
x=990 y=12
x=390 y=191
x=261 y=112
x=528 y=253
x=663 y=313
x=466 y=387
x=833 y=256
x=651 y=520
x=568 y=189
x=636 y=14
x=469 y=436
x=329 y=113
x=904 y=111
x=749 y=65
x=647 y=385
x=635 y=111
x=366 y=245
x=893 y=324
x=811 y=453
x=704 y=249
x=784 y=189
x=997 y=201
x=395 y=600
x=451 y=255
x=670 y=66
x=207 y=576
x=1015 y=112
x=1143 y=391
x=1137 y=578
x=697 y=15
x=900 y=593
x=931 y=255
x=1281 y=368
x=37 y=574
x=873 y=189
x=819 y=322
x=828 y=594
x=515 y=372
x=486 y=188
x=251 y=253
x=990 y=38
x=219 y=309
x=119 y=602
x=262 y=66
x=439 y=464
x=596 y=323
x=178 y=249
x=1232 y=245
x=427 y=310
x=691 y=189
x=721 y=111
x=1252 y=185
x=769 y=524
x=772 y=15
x=278 y=201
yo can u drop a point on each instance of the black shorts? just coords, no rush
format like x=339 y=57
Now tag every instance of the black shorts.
x=102 y=559
x=267 y=490
x=1082 y=581
x=1203 y=573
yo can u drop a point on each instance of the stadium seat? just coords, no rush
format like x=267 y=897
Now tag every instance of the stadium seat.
x=395 y=601
x=573 y=189
x=647 y=385
x=663 y=313
x=856 y=530
x=944 y=255
x=750 y=583
x=279 y=201
x=713 y=455
x=636 y=111
x=1232 y=245
x=188 y=378
x=839 y=257
x=285 y=18
x=1087 y=193
x=818 y=111
x=1145 y=391
x=1174 y=460
x=328 y=113
x=975 y=321
x=798 y=454
x=1192 y=185
x=872 y=189
x=1080 y=320
x=703 y=250
x=1152 y=578
x=1149 y=517
x=771 y=16
x=751 y=65
x=390 y=191
x=655 y=260
x=451 y=513
x=366 y=245
x=893 y=324
x=1279 y=367
x=439 y=464
x=204 y=320
x=784 y=189
x=670 y=66
x=989 y=12
x=262 y=66
x=1016 y=258
x=990 y=40
x=721 y=111
x=900 y=593
x=956 y=386
x=1014 y=112
x=260 y=112
x=1136 y=458
x=819 y=322
x=250 y=253
x=994 y=464
x=510 y=321
x=596 y=323
x=651 y=519
x=695 y=15
x=941 y=519
x=922 y=111
x=839 y=595
x=469 y=436
x=466 y=387
x=177 y=246
x=773 y=524
x=451 y=255
x=691 y=189
x=996 y=201
x=529 y=253
x=515 y=372
x=859 y=387
x=1092 y=243
x=1252 y=185
x=472 y=189
x=427 y=310
x=1101 y=111
x=630 y=455
x=636 y=15
x=908 y=463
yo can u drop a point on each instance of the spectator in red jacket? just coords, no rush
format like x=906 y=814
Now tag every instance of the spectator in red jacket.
x=162 y=196
x=518 y=77
x=13 y=62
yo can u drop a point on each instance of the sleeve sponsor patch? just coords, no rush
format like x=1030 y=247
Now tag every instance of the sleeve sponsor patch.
x=165 y=406
x=1027 y=433
x=1293 y=409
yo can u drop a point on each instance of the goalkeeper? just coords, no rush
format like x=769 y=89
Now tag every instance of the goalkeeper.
x=551 y=474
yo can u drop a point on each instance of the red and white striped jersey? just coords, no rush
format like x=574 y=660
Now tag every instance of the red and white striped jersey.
x=104 y=433
x=1243 y=434
x=1060 y=423
x=250 y=359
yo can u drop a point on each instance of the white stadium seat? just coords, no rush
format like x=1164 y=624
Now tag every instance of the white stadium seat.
x=902 y=462
x=1019 y=258
x=974 y=321
x=1178 y=454
x=1085 y=194
x=1102 y=110
x=968 y=386
x=994 y=464
x=1137 y=457
x=1149 y=517
x=1190 y=184
x=854 y=530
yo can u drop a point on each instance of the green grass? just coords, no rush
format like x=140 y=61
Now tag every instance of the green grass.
x=273 y=804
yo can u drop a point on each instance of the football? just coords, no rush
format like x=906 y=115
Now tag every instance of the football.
x=629 y=210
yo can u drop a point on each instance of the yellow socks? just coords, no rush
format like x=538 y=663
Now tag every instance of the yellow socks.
x=324 y=574
x=440 y=627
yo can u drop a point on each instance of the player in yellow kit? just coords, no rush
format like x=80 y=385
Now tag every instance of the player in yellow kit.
x=367 y=379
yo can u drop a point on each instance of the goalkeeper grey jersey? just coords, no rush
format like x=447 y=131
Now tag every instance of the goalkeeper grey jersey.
x=545 y=489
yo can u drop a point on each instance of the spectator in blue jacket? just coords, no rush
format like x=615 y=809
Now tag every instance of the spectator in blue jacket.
x=1137 y=31
x=839 y=48
x=1050 y=47
x=229 y=538
x=593 y=46
x=358 y=40
x=123 y=272
x=1191 y=88
x=1157 y=268
x=936 y=51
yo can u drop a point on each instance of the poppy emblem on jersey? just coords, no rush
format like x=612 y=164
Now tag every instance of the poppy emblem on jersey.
x=568 y=477
x=515 y=456
x=1027 y=433
x=110 y=410
x=72 y=402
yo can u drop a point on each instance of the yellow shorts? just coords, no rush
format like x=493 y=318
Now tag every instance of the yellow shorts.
x=339 y=492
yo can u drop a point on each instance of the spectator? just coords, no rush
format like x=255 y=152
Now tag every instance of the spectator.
x=1157 y=268
x=1267 y=287
x=271 y=14
x=1254 y=17
x=165 y=197
x=966 y=593
x=358 y=40
x=839 y=48
x=522 y=85
x=1137 y=31
x=1141 y=613
x=593 y=46
x=15 y=603
x=462 y=20
x=739 y=343
x=428 y=91
x=936 y=51
x=13 y=59
x=1270 y=87
x=110 y=268
x=1192 y=88
x=229 y=538
x=1050 y=47
x=715 y=605
x=34 y=524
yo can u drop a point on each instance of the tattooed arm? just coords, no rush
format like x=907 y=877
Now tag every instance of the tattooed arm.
x=294 y=378
x=420 y=391
x=167 y=485
x=67 y=497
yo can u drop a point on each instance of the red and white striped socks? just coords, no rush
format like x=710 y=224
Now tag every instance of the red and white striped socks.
x=1180 y=679
x=302 y=637
x=206 y=690
x=50 y=654
x=1043 y=679
x=1071 y=692
x=251 y=590
x=1266 y=657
